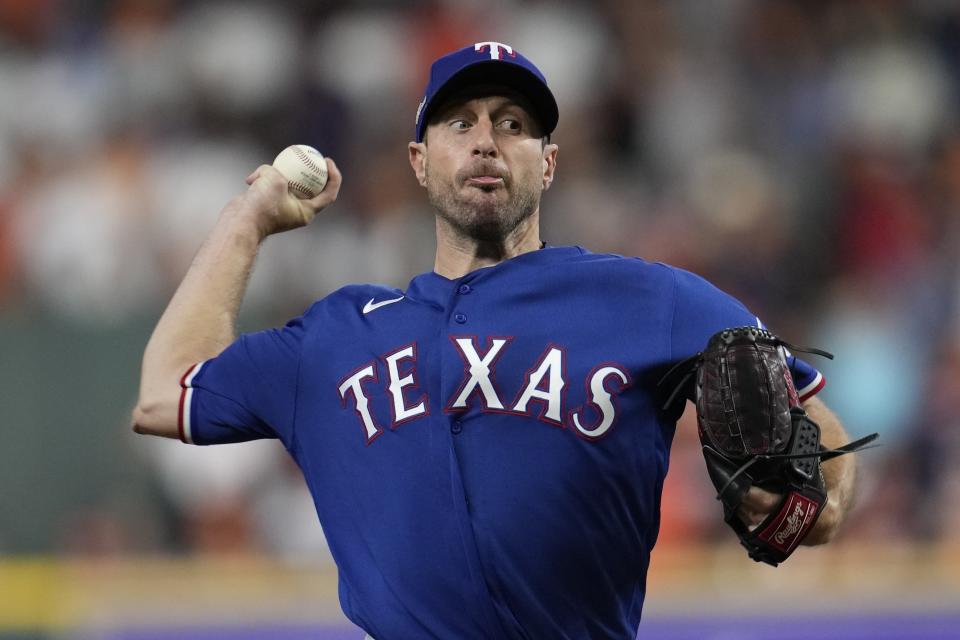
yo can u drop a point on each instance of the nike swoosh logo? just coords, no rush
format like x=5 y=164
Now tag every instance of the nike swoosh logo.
x=373 y=306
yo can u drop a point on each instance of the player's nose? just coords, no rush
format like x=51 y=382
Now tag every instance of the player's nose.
x=484 y=143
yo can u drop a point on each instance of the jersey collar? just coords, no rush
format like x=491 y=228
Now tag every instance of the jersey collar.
x=433 y=288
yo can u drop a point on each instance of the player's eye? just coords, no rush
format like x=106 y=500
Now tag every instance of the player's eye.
x=459 y=124
x=510 y=124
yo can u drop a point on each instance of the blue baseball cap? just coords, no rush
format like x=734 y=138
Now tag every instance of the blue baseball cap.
x=487 y=63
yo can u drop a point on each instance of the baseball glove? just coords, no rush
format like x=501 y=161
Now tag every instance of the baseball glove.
x=754 y=432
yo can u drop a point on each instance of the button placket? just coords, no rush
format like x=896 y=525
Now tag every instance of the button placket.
x=460 y=317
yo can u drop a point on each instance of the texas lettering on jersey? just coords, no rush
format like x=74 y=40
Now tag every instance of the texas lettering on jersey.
x=541 y=395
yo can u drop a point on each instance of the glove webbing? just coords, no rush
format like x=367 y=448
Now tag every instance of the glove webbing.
x=823 y=454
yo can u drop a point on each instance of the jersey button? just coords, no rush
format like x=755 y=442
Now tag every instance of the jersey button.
x=456 y=427
x=463 y=289
x=460 y=318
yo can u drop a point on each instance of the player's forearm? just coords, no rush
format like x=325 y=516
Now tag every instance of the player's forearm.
x=200 y=320
x=839 y=474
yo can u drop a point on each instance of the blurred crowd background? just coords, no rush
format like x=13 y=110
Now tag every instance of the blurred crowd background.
x=804 y=155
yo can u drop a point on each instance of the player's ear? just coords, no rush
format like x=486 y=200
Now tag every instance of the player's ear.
x=418 y=160
x=549 y=164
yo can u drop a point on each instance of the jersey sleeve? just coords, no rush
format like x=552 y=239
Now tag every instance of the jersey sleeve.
x=701 y=310
x=248 y=392
x=806 y=378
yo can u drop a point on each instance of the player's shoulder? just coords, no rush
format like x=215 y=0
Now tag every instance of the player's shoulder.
x=650 y=277
x=350 y=297
x=668 y=273
x=614 y=261
x=690 y=285
x=629 y=268
x=352 y=293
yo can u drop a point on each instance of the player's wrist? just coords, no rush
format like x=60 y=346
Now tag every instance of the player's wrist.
x=240 y=223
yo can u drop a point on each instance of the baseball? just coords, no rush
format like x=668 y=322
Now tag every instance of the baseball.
x=304 y=168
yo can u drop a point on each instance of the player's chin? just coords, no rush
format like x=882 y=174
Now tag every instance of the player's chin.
x=488 y=231
x=487 y=202
x=491 y=224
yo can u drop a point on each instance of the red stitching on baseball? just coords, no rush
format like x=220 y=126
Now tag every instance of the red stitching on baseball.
x=309 y=162
x=301 y=188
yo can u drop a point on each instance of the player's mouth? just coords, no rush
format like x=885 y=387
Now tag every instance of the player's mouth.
x=486 y=176
x=484 y=181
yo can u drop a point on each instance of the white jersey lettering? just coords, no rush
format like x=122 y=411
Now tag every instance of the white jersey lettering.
x=544 y=384
x=397 y=384
x=600 y=398
x=354 y=384
x=479 y=369
x=551 y=367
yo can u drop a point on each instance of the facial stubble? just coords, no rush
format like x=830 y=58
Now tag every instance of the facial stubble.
x=485 y=219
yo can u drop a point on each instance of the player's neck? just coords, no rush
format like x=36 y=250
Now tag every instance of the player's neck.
x=458 y=255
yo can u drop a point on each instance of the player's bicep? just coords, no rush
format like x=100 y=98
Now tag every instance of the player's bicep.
x=207 y=416
x=806 y=378
x=248 y=392
x=701 y=310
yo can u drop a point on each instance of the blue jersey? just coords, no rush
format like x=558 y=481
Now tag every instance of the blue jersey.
x=486 y=454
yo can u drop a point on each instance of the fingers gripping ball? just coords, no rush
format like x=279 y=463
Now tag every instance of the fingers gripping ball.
x=304 y=168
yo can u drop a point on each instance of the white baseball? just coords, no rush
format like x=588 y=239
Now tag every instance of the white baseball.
x=304 y=168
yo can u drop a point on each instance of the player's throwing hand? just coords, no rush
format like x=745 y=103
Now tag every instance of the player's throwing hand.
x=273 y=208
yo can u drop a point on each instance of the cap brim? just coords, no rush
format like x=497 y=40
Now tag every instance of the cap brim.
x=498 y=73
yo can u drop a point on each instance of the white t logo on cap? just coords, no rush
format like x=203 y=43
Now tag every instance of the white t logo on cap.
x=496 y=48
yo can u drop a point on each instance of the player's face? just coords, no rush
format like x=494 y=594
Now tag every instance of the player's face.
x=484 y=165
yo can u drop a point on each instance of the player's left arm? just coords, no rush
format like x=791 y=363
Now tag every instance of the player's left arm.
x=839 y=475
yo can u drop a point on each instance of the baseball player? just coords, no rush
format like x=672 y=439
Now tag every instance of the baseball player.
x=486 y=448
